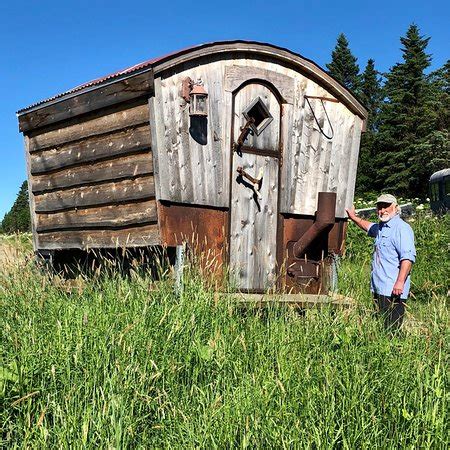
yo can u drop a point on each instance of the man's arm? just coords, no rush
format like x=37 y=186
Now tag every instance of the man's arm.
x=405 y=268
x=362 y=223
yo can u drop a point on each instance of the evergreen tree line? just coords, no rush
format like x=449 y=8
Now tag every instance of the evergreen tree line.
x=407 y=137
x=18 y=217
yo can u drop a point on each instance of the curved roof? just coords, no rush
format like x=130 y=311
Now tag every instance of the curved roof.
x=167 y=61
x=440 y=174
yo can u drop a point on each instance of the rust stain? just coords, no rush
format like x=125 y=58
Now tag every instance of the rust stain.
x=203 y=228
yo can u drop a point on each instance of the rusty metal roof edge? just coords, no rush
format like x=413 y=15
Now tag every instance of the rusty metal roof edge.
x=151 y=65
x=82 y=89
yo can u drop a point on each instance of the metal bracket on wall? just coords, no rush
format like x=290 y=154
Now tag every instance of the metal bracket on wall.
x=322 y=99
x=245 y=130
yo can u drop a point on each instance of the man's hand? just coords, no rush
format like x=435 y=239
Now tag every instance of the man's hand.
x=398 y=288
x=363 y=224
x=351 y=213
x=405 y=268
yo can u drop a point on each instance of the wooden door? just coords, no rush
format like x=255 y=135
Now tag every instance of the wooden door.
x=254 y=213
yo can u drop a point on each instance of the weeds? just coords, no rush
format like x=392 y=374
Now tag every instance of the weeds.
x=122 y=362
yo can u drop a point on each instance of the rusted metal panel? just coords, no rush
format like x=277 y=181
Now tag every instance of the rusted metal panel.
x=203 y=228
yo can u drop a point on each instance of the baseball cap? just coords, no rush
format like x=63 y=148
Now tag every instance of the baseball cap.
x=386 y=198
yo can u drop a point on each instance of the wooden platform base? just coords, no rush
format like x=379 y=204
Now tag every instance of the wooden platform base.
x=297 y=300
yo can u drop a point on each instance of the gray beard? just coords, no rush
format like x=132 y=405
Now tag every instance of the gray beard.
x=387 y=218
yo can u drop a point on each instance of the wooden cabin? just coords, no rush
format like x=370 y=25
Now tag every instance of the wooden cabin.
x=228 y=144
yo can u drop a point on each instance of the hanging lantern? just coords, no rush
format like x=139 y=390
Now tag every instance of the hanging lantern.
x=198 y=101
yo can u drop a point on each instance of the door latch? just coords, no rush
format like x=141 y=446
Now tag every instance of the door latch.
x=256 y=182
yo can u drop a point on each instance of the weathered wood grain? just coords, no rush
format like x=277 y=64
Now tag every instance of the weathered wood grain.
x=157 y=132
x=86 y=239
x=345 y=165
x=190 y=150
x=235 y=75
x=100 y=194
x=269 y=139
x=112 y=169
x=88 y=127
x=251 y=50
x=353 y=165
x=30 y=194
x=99 y=217
x=92 y=149
x=89 y=99
x=253 y=224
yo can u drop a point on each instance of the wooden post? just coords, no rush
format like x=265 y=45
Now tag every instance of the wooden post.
x=179 y=268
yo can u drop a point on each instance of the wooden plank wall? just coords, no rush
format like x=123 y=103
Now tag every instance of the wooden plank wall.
x=92 y=180
x=190 y=172
x=317 y=158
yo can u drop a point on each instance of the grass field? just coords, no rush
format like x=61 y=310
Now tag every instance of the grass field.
x=115 y=362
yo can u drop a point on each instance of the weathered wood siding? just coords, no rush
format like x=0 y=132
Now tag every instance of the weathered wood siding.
x=91 y=180
x=199 y=173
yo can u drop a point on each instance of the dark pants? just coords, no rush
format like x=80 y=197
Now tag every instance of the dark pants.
x=392 y=309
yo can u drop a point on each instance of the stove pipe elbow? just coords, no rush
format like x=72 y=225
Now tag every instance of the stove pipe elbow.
x=325 y=218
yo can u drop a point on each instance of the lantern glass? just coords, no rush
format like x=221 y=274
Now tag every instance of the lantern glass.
x=198 y=105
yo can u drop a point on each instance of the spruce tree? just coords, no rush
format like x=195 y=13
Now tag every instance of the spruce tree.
x=343 y=65
x=18 y=218
x=435 y=147
x=405 y=121
x=370 y=94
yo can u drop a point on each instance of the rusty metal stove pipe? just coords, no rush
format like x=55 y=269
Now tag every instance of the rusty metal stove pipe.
x=325 y=217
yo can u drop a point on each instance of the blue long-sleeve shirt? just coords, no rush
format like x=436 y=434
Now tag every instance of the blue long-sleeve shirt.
x=394 y=242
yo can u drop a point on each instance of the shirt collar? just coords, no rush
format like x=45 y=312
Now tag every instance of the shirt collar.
x=391 y=222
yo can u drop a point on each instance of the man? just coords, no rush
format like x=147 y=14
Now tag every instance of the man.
x=394 y=254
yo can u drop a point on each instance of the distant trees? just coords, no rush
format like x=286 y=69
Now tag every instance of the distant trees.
x=18 y=218
x=343 y=65
x=407 y=135
x=371 y=95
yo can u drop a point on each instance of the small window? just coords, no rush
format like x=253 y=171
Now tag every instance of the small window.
x=258 y=111
x=434 y=192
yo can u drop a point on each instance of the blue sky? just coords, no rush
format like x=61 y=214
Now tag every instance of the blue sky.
x=47 y=47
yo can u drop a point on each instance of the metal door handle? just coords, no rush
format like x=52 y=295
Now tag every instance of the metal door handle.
x=256 y=182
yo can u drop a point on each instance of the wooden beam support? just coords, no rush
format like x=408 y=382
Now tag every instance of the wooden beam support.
x=85 y=239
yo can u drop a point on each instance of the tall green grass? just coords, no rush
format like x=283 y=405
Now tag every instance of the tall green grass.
x=116 y=362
